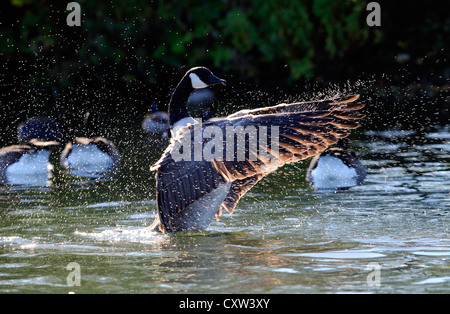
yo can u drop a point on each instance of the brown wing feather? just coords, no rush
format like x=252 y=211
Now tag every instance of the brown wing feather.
x=340 y=103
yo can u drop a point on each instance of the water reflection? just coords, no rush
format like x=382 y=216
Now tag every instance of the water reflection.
x=285 y=237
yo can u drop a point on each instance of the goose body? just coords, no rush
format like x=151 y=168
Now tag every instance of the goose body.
x=192 y=190
x=157 y=122
x=335 y=168
x=29 y=162
x=32 y=168
x=90 y=156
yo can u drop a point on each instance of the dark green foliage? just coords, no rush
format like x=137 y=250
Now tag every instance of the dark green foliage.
x=252 y=37
x=127 y=55
x=249 y=36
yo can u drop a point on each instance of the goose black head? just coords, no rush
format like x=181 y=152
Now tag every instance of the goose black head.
x=40 y=129
x=202 y=77
x=195 y=78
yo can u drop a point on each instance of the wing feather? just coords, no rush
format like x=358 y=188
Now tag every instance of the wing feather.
x=340 y=103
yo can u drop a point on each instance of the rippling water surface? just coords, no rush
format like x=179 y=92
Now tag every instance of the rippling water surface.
x=390 y=235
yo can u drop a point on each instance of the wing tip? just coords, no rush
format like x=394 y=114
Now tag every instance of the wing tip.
x=154 y=167
x=345 y=99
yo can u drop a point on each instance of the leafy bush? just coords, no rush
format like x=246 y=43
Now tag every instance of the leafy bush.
x=241 y=36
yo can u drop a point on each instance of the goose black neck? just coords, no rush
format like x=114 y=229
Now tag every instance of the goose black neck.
x=178 y=102
x=91 y=124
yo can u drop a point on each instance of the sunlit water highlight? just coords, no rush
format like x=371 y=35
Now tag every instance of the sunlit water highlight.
x=283 y=238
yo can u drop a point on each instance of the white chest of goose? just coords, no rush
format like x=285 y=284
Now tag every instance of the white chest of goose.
x=336 y=168
x=91 y=156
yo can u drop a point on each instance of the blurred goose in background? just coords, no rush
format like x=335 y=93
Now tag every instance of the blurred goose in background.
x=191 y=192
x=199 y=103
x=91 y=156
x=157 y=122
x=29 y=162
x=336 y=167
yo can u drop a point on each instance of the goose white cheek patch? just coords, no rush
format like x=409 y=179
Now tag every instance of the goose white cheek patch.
x=196 y=81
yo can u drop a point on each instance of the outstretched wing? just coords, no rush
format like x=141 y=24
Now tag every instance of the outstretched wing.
x=340 y=103
x=245 y=147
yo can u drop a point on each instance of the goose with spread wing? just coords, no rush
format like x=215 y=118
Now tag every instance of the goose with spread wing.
x=210 y=166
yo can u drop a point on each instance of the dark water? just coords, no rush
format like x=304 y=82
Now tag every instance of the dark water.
x=389 y=235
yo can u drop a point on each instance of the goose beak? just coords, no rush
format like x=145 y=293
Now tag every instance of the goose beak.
x=216 y=80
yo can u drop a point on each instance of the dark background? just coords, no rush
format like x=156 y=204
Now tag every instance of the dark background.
x=128 y=55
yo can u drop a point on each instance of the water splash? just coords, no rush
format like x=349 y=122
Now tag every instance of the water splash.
x=135 y=235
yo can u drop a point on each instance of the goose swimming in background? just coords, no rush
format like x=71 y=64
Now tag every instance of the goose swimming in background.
x=200 y=102
x=91 y=156
x=29 y=162
x=336 y=167
x=157 y=122
x=191 y=191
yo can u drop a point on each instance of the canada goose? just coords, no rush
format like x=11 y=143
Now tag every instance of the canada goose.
x=157 y=122
x=29 y=162
x=93 y=155
x=191 y=190
x=336 y=167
